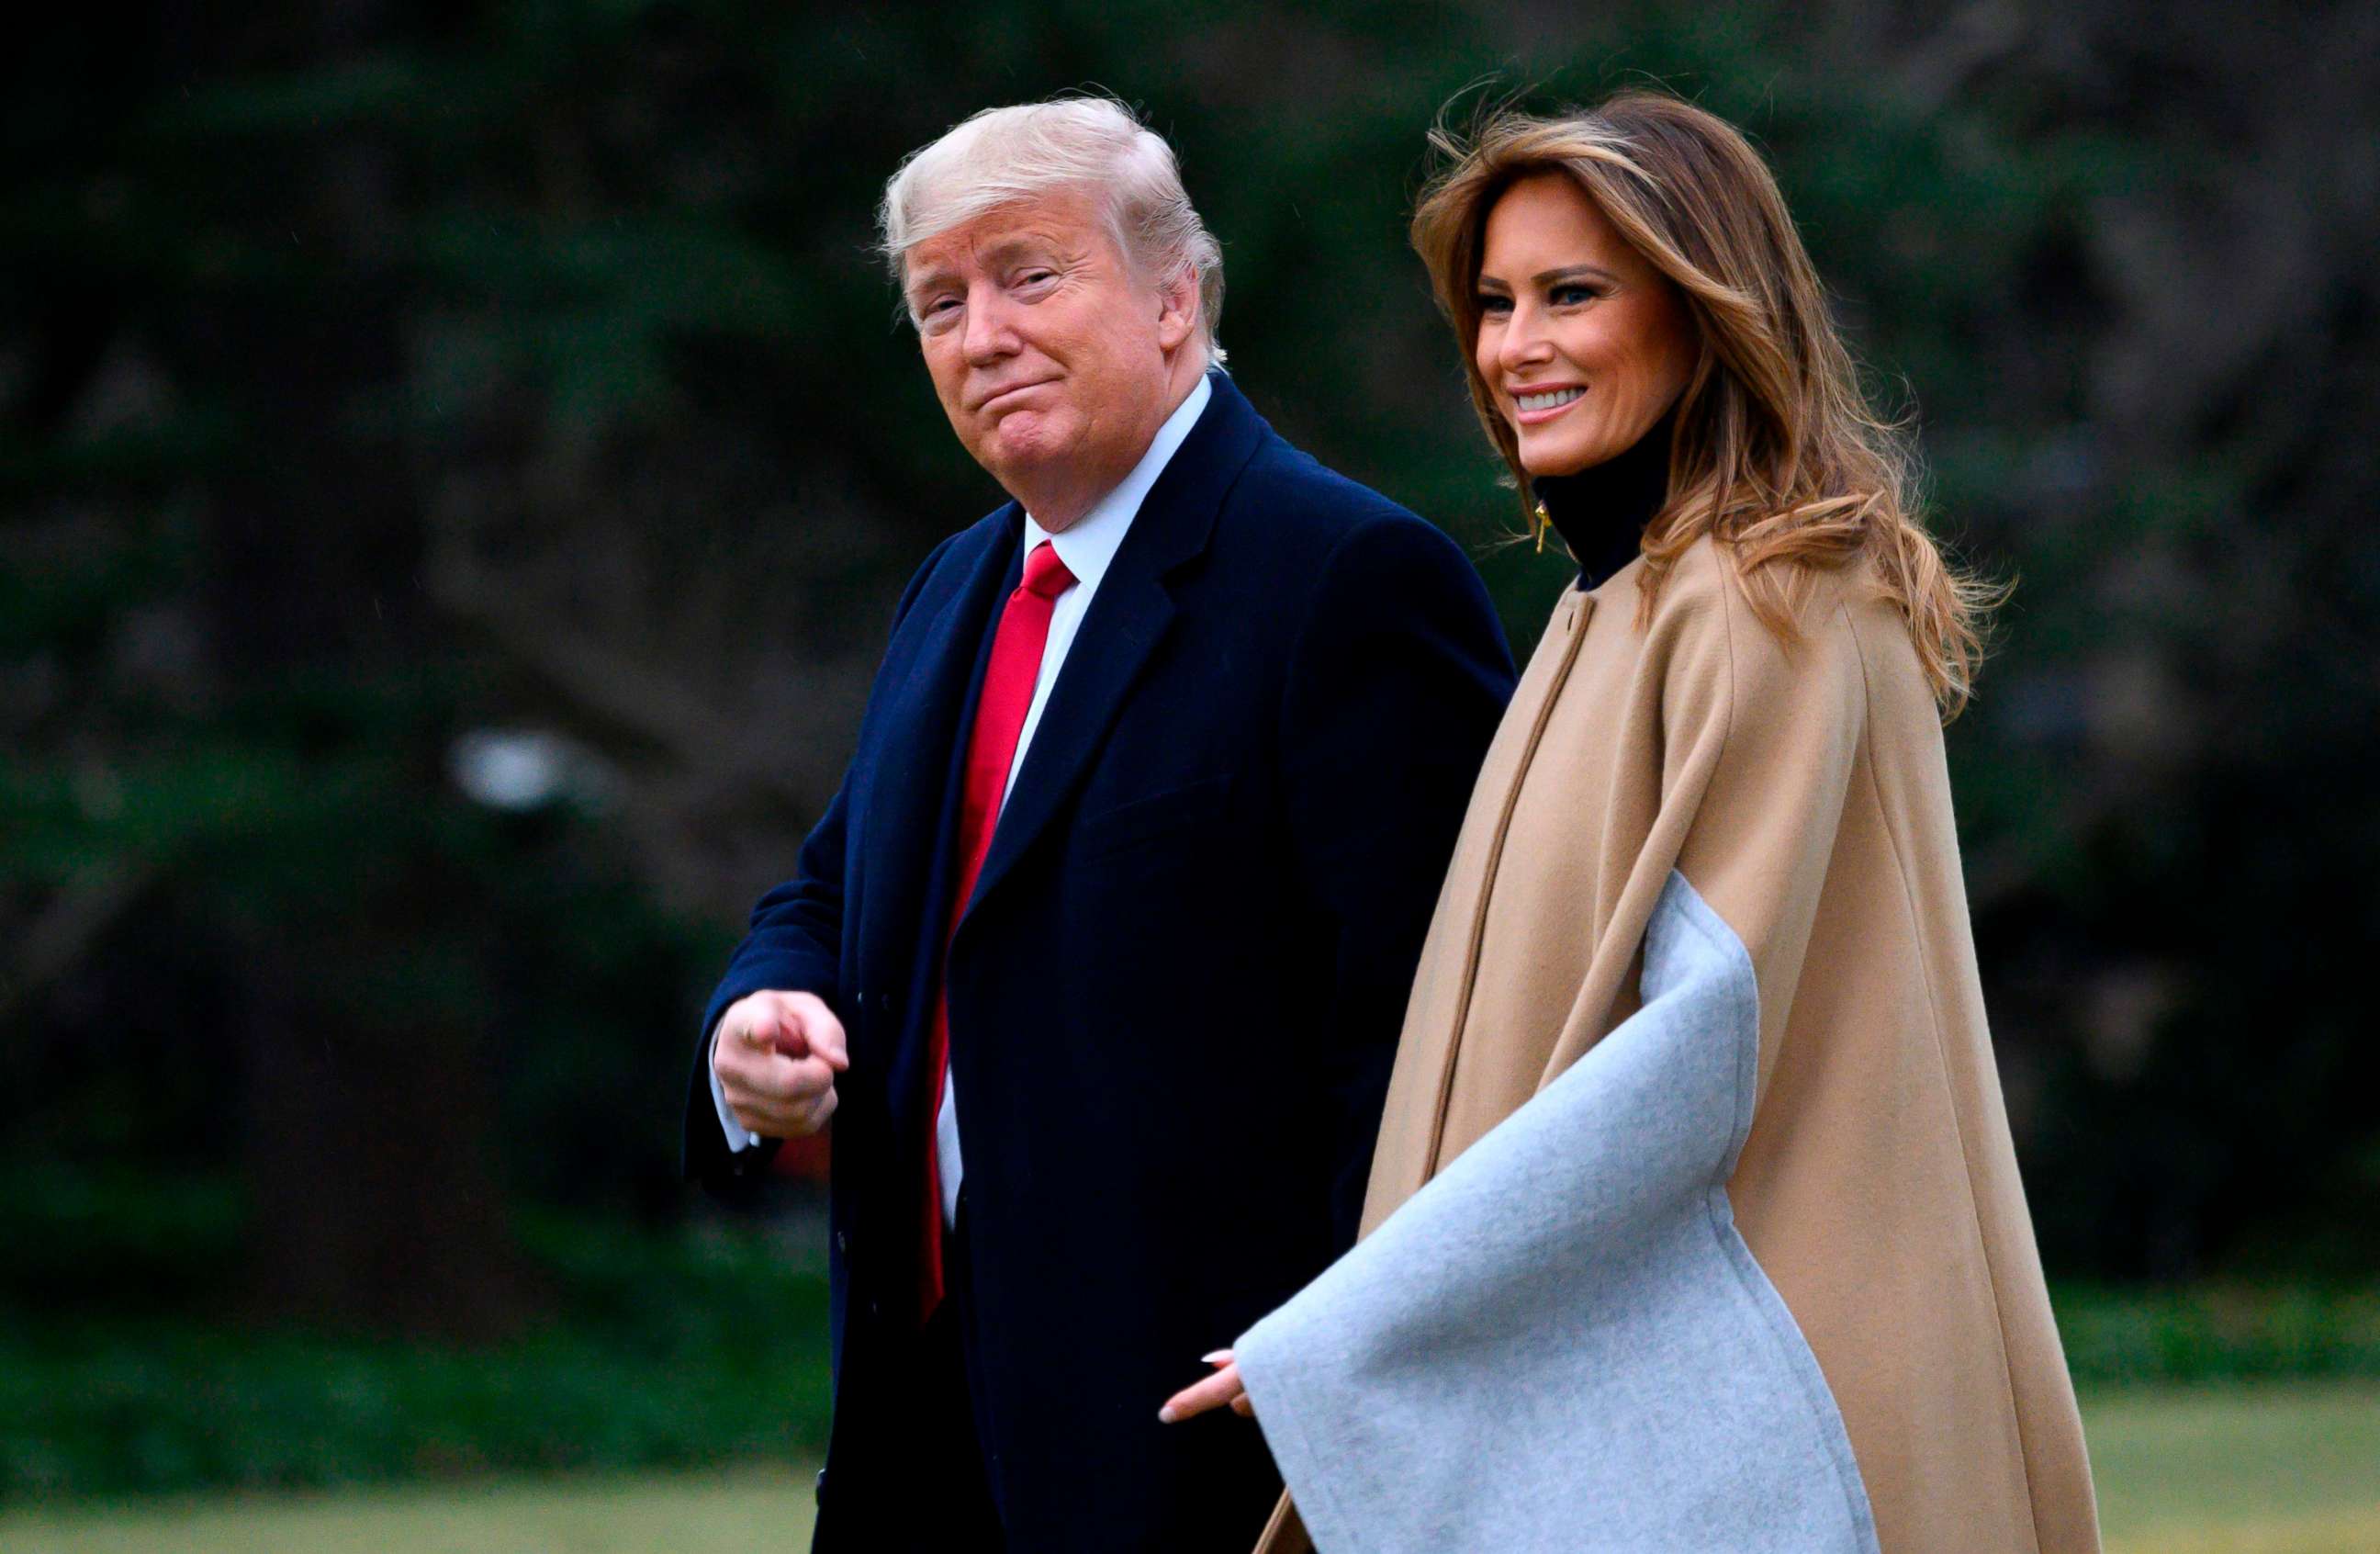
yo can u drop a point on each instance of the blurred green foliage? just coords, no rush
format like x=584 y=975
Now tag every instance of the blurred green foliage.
x=119 y=1374
x=2219 y=1333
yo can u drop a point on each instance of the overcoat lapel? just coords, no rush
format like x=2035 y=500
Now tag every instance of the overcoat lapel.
x=912 y=832
x=1128 y=617
x=915 y=787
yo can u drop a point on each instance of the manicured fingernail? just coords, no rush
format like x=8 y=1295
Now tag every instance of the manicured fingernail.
x=1217 y=1358
x=1165 y=1414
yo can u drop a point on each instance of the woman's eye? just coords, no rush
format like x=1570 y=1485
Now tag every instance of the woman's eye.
x=1571 y=296
x=1494 y=305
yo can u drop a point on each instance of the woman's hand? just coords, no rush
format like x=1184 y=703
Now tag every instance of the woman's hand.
x=1221 y=1387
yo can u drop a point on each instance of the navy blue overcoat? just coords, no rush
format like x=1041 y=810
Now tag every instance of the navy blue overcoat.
x=1174 y=995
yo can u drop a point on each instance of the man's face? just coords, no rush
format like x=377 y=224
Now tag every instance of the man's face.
x=1049 y=351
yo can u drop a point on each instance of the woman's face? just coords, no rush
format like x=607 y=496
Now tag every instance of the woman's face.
x=1584 y=344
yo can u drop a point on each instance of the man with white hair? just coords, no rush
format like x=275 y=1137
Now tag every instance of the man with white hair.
x=1098 y=957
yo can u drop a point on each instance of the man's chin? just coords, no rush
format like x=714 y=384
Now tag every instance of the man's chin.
x=1023 y=443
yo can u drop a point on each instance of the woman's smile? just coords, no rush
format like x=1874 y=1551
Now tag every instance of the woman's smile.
x=1535 y=406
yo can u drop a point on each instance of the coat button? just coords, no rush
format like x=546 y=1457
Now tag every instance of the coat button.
x=842 y=1242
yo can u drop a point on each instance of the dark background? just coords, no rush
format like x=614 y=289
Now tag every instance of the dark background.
x=459 y=461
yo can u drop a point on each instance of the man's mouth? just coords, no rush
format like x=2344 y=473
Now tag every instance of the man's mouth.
x=998 y=395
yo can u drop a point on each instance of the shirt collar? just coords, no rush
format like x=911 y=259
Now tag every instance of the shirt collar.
x=1091 y=542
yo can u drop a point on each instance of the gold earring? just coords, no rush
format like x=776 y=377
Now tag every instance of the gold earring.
x=1545 y=520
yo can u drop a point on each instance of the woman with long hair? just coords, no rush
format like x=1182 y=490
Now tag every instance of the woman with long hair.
x=1695 y=1220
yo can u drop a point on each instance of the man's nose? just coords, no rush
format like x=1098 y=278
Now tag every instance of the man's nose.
x=988 y=333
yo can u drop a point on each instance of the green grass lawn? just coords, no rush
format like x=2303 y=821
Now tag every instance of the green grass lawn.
x=2271 y=1468
x=754 y=1512
x=2259 y=1469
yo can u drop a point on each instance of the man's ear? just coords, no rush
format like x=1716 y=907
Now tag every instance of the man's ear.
x=1177 y=309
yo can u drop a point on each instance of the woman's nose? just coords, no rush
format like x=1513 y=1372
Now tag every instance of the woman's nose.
x=1524 y=342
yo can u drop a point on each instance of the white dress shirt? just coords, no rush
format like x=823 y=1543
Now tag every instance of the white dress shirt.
x=1087 y=548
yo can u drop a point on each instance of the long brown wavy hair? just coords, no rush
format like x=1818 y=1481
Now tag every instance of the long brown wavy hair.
x=1779 y=453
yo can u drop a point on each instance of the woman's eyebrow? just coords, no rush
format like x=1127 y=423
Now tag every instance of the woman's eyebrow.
x=1573 y=273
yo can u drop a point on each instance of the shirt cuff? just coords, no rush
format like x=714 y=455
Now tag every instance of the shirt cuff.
x=739 y=1137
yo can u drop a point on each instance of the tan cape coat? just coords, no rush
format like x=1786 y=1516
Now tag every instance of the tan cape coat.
x=1800 y=791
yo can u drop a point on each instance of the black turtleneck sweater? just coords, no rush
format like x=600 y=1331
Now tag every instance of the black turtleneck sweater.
x=1601 y=511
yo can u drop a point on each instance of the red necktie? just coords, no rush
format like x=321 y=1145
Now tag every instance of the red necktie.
x=1008 y=682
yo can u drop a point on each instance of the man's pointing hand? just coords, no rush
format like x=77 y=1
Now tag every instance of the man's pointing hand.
x=776 y=1056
